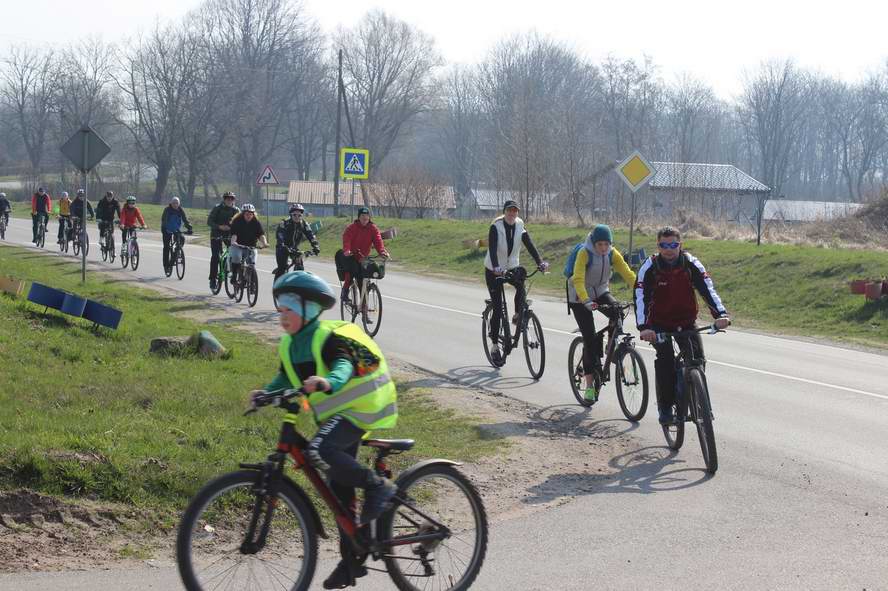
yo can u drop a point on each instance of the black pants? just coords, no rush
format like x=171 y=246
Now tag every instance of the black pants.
x=104 y=225
x=593 y=346
x=334 y=449
x=63 y=221
x=496 y=297
x=44 y=219
x=664 y=364
x=216 y=253
x=168 y=246
x=348 y=269
x=282 y=254
x=124 y=232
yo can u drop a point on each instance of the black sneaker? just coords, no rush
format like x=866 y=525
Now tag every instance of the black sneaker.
x=667 y=416
x=377 y=500
x=340 y=578
x=212 y=283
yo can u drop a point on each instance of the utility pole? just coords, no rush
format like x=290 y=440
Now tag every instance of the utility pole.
x=338 y=126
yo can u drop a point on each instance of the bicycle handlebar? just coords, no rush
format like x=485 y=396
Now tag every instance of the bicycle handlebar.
x=708 y=329
x=273 y=398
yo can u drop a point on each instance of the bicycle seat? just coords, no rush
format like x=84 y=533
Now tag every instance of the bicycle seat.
x=395 y=444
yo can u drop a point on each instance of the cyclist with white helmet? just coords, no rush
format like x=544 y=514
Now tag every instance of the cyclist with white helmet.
x=130 y=217
x=290 y=232
x=246 y=232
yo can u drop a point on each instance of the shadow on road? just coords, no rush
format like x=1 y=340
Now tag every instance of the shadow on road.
x=482 y=376
x=642 y=471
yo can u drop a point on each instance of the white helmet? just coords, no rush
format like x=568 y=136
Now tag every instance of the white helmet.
x=248 y=207
x=64 y=193
x=175 y=200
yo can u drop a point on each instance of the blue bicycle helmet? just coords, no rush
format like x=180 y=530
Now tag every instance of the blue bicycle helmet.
x=306 y=285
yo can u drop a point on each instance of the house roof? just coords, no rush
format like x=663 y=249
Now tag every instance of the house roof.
x=705 y=177
x=807 y=211
x=321 y=193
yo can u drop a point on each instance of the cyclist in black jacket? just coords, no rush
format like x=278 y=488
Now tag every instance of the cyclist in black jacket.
x=219 y=222
x=290 y=233
x=5 y=207
x=106 y=208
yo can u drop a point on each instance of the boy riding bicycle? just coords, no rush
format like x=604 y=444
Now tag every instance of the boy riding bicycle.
x=350 y=392
x=587 y=288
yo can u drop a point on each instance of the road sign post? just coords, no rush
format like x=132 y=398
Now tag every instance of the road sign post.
x=85 y=149
x=635 y=171
x=266 y=177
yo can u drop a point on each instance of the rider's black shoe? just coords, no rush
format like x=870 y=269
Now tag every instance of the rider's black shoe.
x=340 y=578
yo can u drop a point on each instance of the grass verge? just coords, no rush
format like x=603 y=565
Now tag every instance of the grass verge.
x=93 y=415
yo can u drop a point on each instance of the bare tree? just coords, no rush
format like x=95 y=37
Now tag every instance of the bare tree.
x=387 y=69
x=311 y=116
x=773 y=107
x=461 y=128
x=155 y=78
x=27 y=88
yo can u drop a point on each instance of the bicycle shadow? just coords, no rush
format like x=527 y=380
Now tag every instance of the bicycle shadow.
x=647 y=470
x=488 y=378
x=571 y=419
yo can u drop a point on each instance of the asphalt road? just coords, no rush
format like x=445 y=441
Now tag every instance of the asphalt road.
x=800 y=500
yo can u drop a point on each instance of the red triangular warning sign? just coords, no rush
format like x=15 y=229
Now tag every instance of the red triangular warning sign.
x=267 y=177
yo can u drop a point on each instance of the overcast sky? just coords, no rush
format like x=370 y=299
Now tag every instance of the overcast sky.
x=714 y=41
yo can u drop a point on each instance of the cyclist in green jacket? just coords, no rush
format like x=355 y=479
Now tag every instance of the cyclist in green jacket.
x=349 y=391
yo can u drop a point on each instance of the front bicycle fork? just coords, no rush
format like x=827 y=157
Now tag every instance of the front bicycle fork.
x=265 y=504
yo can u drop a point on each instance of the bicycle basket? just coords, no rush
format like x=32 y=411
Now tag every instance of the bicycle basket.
x=374 y=270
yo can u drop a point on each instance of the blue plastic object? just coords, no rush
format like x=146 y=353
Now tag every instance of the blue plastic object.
x=73 y=305
x=44 y=295
x=101 y=314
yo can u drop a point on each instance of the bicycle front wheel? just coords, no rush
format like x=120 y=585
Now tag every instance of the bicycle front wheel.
x=442 y=505
x=534 y=345
x=112 y=254
x=577 y=372
x=180 y=264
x=134 y=255
x=703 y=419
x=371 y=315
x=631 y=381
x=214 y=549
x=228 y=280
x=253 y=288
x=124 y=255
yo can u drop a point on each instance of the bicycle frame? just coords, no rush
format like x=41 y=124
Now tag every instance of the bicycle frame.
x=512 y=340
x=615 y=329
x=291 y=443
x=682 y=365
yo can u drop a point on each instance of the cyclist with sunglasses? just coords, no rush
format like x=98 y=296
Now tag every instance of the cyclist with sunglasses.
x=665 y=302
x=290 y=232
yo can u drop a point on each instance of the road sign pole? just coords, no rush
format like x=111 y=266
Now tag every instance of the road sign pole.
x=353 y=200
x=631 y=225
x=85 y=172
x=266 y=207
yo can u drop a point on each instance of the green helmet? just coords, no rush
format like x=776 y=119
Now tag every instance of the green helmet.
x=306 y=285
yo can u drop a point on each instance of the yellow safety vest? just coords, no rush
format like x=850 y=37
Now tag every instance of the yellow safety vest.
x=370 y=401
x=64 y=207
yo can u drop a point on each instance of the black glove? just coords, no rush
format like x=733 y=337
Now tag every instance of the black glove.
x=316 y=250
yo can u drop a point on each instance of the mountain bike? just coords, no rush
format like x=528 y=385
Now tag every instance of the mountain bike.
x=66 y=233
x=527 y=325
x=129 y=250
x=256 y=528
x=247 y=280
x=630 y=373
x=78 y=241
x=106 y=243
x=223 y=274
x=366 y=300
x=177 y=255
x=692 y=403
x=41 y=229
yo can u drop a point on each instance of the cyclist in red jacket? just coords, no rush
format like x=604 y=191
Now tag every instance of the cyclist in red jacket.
x=41 y=205
x=357 y=240
x=130 y=217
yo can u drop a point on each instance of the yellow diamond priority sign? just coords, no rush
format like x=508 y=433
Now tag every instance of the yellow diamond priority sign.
x=635 y=171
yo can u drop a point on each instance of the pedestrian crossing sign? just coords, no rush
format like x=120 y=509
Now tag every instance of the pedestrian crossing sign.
x=354 y=163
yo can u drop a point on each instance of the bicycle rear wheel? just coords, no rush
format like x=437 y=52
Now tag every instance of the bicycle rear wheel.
x=371 y=317
x=124 y=255
x=134 y=255
x=252 y=287
x=534 y=345
x=577 y=373
x=180 y=264
x=490 y=341
x=631 y=381
x=703 y=419
x=435 y=499
x=213 y=549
